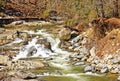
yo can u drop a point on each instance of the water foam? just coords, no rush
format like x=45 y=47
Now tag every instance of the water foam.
x=41 y=50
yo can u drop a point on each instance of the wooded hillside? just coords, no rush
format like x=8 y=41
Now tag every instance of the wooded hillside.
x=72 y=10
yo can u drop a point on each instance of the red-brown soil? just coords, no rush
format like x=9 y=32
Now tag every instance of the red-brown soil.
x=110 y=44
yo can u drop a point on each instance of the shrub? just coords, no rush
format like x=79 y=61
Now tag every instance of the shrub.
x=2 y=3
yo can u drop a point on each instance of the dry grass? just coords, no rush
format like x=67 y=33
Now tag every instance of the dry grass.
x=110 y=44
x=102 y=26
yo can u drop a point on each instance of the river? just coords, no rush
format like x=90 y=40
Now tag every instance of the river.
x=59 y=66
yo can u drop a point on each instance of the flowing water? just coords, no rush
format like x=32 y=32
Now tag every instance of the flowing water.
x=60 y=67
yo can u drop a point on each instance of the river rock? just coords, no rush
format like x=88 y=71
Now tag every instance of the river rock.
x=88 y=69
x=115 y=61
x=6 y=37
x=92 y=51
x=114 y=71
x=76 y=39
x=118 y=78
x=25 y=75
x=58 y=72
x=83 y=50
x=65 y=34
x=104 y=70
x=32 y=50
x=79 y=56
x=3 y=60
x=75 y=59
x=3 y=68
x=84 y=41
x=90 y=59
x=46 y=43
x=48 y=46
x=84 y=58
x=65 y=45
x=109 y=57
x=74 y=34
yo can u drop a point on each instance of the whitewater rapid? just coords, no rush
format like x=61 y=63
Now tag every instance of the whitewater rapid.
x=40 y=48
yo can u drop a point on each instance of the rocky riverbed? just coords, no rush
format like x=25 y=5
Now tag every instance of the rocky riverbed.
x=86 y=52
x=39 y=55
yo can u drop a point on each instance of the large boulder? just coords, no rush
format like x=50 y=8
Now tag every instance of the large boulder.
x=65 y=34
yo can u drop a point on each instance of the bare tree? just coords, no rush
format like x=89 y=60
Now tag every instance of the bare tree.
x=102 y=13
x=96 y=9
x=115 y=8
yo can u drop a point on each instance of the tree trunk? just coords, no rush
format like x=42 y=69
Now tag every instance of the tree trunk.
x=96 y=9
x=115 y=8
x=102 y=14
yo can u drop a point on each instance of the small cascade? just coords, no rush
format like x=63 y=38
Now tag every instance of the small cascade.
x=54 y=41
x=33 y=49
x=60 y=59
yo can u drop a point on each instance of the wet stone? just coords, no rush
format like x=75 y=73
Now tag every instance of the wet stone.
x=76 y=39
x=32 y=50
x=104 y=70
x=88 y=69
